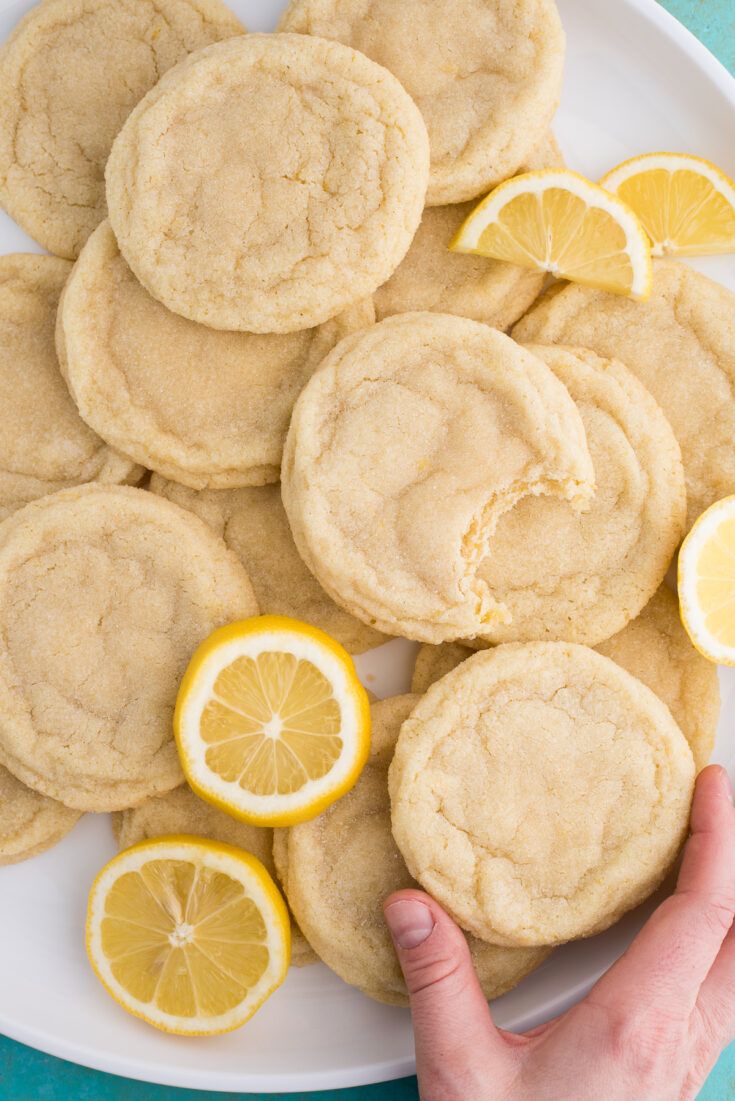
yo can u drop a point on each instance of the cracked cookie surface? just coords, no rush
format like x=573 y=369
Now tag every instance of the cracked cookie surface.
x=105 y=592
x=404 y=448
x=681 y=345
x=253 y=524
x=539 y=791
x=654 y=647
x=70 y=74
x=44 y=444
x=430 y=277
x=340 y=867
x=486 y=75
x=206 y=408
x=30 y=823
x=268 y=183
x=581 y=576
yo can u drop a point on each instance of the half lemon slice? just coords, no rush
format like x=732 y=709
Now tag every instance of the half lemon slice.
x=555 y=220
x=188 y=934
x=686 y=204
x=707 y=582
x=271 y=721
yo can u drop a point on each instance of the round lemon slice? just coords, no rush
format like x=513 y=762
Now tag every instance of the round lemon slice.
x=188 y=934
x=686 y=204
x=271 y=721
x=555 y=220
x=707 y=582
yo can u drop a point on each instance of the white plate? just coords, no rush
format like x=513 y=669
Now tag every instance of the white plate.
x=635 y=81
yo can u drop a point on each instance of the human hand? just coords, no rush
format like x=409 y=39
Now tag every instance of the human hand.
x=649 y=1030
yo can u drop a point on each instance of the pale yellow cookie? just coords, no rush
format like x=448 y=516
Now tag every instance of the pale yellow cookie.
x=302 y=953
x=253 y=524
x=434 y=662
x=341 y=866
x=405 y=447
x=680 y=344
x=655 y=648
x=206 y=408
x=539 y=791
x=29 y=823
x=268 y=183
x=105 y=592
x=182 y=812
x=70 y=74
x=580 y=577
x=486 y=75
x=430 y=277
x=44 y=445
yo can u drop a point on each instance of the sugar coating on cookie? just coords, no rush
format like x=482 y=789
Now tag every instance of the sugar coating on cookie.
x=430 y=277
x=581 y=576
x=268 y=183
x=105 y=592
x=70 y=74
x=681 y=345
x=302 y=954
x=654 y=647
x=486 y=75
x=30 y=823
x=405 y=448
x=341 y=866
x=44 y=444
x=206 y=408
x=253 y=524
x=539 y=791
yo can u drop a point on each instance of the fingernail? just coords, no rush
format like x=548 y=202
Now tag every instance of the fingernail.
x=410 y=922
x=727 y=784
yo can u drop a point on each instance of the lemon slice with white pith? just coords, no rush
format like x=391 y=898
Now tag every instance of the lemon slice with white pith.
x=189 y=934
x=557 y=221
x=271 y=721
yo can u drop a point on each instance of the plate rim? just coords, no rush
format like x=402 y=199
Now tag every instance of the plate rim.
x=359 y=1074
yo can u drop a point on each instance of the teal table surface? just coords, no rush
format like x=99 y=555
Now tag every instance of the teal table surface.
x=28 y=1075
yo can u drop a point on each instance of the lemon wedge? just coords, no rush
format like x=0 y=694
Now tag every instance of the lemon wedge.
x=555 y=220
x=707 y=582
x=271 y=721
x=686 y=204
x=188 y=934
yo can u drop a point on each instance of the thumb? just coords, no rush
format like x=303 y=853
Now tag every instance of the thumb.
x=451 y=1019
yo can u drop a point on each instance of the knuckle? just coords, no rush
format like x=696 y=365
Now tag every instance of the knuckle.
x=434 y=972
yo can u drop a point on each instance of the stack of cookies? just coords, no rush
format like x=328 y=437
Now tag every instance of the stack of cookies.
x=252 y=378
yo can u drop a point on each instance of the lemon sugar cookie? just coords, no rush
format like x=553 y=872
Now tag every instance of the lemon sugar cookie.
x=44 y=445
x=29 y=823
x=539 y=791
x=654 y=647
x=302 y=954
x=338 y=869
x=405 y=447
x=268 y=183
x=430 y=277
x=486 y=75
x=206 y=408
x=581 y=576
x=104 y=594
x=680 y=344
x=253 y=524
x=70 y=73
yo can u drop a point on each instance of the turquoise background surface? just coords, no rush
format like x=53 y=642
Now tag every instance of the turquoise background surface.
x=28 y=1075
